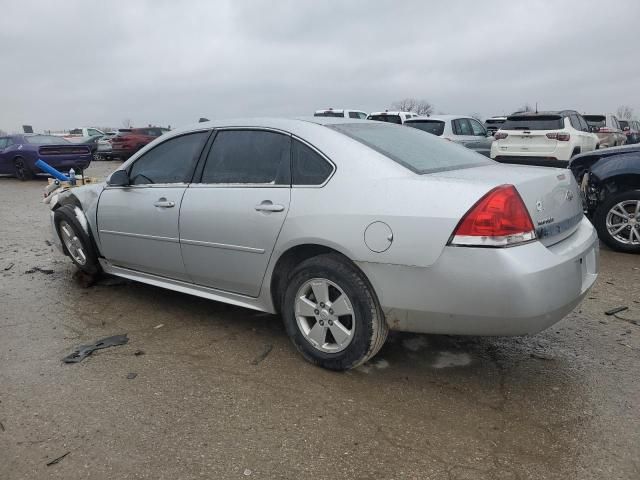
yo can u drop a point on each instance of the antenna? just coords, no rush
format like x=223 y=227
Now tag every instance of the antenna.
x=536 y=107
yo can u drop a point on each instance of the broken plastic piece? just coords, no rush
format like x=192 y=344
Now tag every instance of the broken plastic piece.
x=83 y=351
x=613 y=311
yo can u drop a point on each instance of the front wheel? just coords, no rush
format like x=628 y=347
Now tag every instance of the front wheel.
x=75 y=240
x=331 y=313
x=617 y=220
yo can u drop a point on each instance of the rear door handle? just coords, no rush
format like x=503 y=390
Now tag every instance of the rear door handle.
x=268 y=206
x=163 y=203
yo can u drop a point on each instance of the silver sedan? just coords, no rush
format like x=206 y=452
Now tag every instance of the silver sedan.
x=346 y=228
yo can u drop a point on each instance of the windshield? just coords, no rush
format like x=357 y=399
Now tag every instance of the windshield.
x=45 y=140
x=412 y=148
x=386 y=118
x=435 y=127
x=329 y=113
x=533 y=122
x=596 y=120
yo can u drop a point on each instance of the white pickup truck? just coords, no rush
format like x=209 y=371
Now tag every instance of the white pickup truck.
x=79 y=135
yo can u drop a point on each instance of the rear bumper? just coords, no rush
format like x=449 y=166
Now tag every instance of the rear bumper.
x=537 y=161
x=483 y=291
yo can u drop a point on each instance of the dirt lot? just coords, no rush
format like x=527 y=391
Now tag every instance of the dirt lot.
x=204 y=404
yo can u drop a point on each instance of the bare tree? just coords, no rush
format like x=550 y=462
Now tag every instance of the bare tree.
x=126 y=123
x=525 y=108
x=421 y=107
x=2 y=133
x=624 y=112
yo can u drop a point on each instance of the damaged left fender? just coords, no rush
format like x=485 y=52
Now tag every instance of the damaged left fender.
x=84 y=200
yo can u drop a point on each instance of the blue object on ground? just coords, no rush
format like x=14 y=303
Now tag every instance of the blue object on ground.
x=46 y=168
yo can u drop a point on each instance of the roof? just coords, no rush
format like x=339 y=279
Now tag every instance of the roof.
x=442 y=118
x=547 y=112
x=389 y=112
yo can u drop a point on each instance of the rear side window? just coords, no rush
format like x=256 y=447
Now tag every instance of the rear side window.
x=533 y=122
x=461 y=126
x=249 y=157
x=386 y=118
x=575 y=123
x=353 y=115
x=329 y=113
x=170 y=162
x=435 y=127
x=3 y=143
x=309 y=168
x=411 y=148
x=92 y=132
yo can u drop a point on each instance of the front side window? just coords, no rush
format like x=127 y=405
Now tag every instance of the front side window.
x=353 y=115
x=329 y=113
x=92 y=132
x=249 y=157
x=170 y=162
x=477 y=128
x=309 y=168
x=411 y=148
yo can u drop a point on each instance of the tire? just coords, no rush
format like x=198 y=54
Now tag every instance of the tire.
x=628 y=201
x=22 y=170
x=363 y=319
x=77 y=244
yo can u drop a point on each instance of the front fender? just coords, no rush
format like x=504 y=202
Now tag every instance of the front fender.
x=608 y=167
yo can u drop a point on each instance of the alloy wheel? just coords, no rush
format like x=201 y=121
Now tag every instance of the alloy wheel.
x=73 y=243
x=623 y=222
x=325 y=315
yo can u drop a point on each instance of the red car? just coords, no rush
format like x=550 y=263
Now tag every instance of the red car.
x=128 y=142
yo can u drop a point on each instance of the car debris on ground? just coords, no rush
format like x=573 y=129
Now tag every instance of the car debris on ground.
x=83 y=351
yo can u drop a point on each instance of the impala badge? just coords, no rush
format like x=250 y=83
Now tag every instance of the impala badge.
x=569 y=195
x=539 y=205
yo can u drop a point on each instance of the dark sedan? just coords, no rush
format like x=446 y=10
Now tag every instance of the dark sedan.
x=19 y=153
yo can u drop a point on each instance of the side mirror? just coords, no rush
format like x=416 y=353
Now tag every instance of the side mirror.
x=119 y=178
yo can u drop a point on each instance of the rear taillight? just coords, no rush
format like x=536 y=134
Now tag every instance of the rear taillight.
x=500 y=135
x=560 y=136
x=605 y=130
x=499 y=219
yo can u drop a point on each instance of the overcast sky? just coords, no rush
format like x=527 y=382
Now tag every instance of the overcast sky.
x=67 y=64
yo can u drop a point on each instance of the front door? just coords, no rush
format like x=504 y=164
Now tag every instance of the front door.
x=231 y=219
x=138 y=224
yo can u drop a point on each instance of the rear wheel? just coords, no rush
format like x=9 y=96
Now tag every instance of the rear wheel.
x=76 y=242
x=22 y=170
x=331 y=313
x=617 y=220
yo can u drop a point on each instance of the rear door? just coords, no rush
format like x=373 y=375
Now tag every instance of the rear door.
x=230 y=220
x=138 y=224
x=462 y=132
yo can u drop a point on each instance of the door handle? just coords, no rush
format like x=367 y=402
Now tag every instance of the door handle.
x=163 y=203
x=268 y=206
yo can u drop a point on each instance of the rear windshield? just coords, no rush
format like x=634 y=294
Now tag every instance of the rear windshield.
x=329 y=114
x=414 y=149
x=494 y=121
x=623 y=123
x=386 y=118
x=533 y=122
x=596 y=120
x=435 y=127
x=46 y=140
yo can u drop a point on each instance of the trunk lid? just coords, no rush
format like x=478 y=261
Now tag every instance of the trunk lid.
x=551 y=195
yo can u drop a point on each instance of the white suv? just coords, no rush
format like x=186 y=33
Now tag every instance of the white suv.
x=548 y=139
x=341 y=113
x=391 y=117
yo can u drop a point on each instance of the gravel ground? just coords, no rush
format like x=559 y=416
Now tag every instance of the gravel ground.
x=205 y=401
